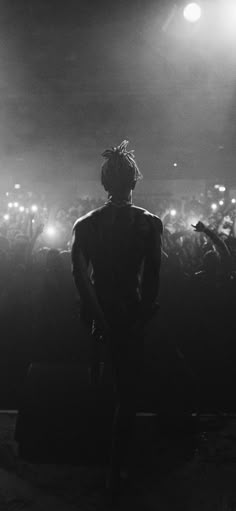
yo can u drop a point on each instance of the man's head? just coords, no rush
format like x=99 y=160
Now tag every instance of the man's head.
x=120 y=171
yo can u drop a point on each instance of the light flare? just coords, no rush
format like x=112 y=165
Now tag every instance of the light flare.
x=51 y=231
x=192 y=12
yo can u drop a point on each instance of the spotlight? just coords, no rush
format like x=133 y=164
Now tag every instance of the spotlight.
x=222 y=188
x=10 y=205
x=50 y=231
x=175 y=164
x=214 y=207
x=217 y=186
x=173 y=212
x=34 y=208
x=17 y=186
x=7 y=193
x=16 y=204
x=21 y=209
x=233 y=201
x=221 y=202
x=6 y=217
x=192 y=12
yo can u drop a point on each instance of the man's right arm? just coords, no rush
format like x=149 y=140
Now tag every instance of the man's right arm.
x=84 y=285
x=151 y=269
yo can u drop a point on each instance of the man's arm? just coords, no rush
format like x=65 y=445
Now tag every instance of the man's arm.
x=34 y=236
x=218 y=242
x=80 y=265
x=151 y=269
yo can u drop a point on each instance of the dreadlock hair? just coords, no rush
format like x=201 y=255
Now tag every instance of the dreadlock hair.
x=120 y=171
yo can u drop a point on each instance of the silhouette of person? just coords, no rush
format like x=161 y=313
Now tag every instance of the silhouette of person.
x=122 y=244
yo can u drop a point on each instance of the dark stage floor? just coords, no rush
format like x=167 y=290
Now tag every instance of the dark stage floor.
x=176 y=470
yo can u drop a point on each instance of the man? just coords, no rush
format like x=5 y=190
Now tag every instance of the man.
x=122 y=244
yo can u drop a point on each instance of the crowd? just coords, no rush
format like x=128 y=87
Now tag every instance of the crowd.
x=39 y=303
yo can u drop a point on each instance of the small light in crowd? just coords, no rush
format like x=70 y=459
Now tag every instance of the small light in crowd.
x=34 y=208
x=217 y=186
x=21 y=209
x=6 y=217
x=222 y=188
x=221 y=202
x=214 y=207
x=16 y=204
x=173 y=212
x=50 y=231
x=175 y=164
x=192 y=12
x=33 y=221
x=10 y=205
x=233 y=201
x=7 y=193
x=17 y=186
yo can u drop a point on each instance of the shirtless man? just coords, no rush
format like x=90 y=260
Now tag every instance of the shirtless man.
x=122 y=244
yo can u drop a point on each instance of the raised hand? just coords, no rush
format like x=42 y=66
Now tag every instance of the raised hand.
x=199 y=227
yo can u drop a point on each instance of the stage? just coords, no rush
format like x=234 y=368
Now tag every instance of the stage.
x=192 y=471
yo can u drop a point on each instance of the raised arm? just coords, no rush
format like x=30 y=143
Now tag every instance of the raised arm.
x=218 y=242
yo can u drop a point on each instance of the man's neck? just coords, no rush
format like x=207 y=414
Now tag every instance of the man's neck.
x=121 y=199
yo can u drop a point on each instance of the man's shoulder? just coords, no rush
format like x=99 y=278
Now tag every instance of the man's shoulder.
x=151 y=218
x=87 y=219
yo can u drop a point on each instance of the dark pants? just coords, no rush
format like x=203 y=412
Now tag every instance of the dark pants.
x=127 y=351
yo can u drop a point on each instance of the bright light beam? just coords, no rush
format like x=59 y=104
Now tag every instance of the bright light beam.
x=192 y=12
x=50 y=231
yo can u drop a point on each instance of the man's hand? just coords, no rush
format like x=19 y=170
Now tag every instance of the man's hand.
x=199 y=227
x=101 y=333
